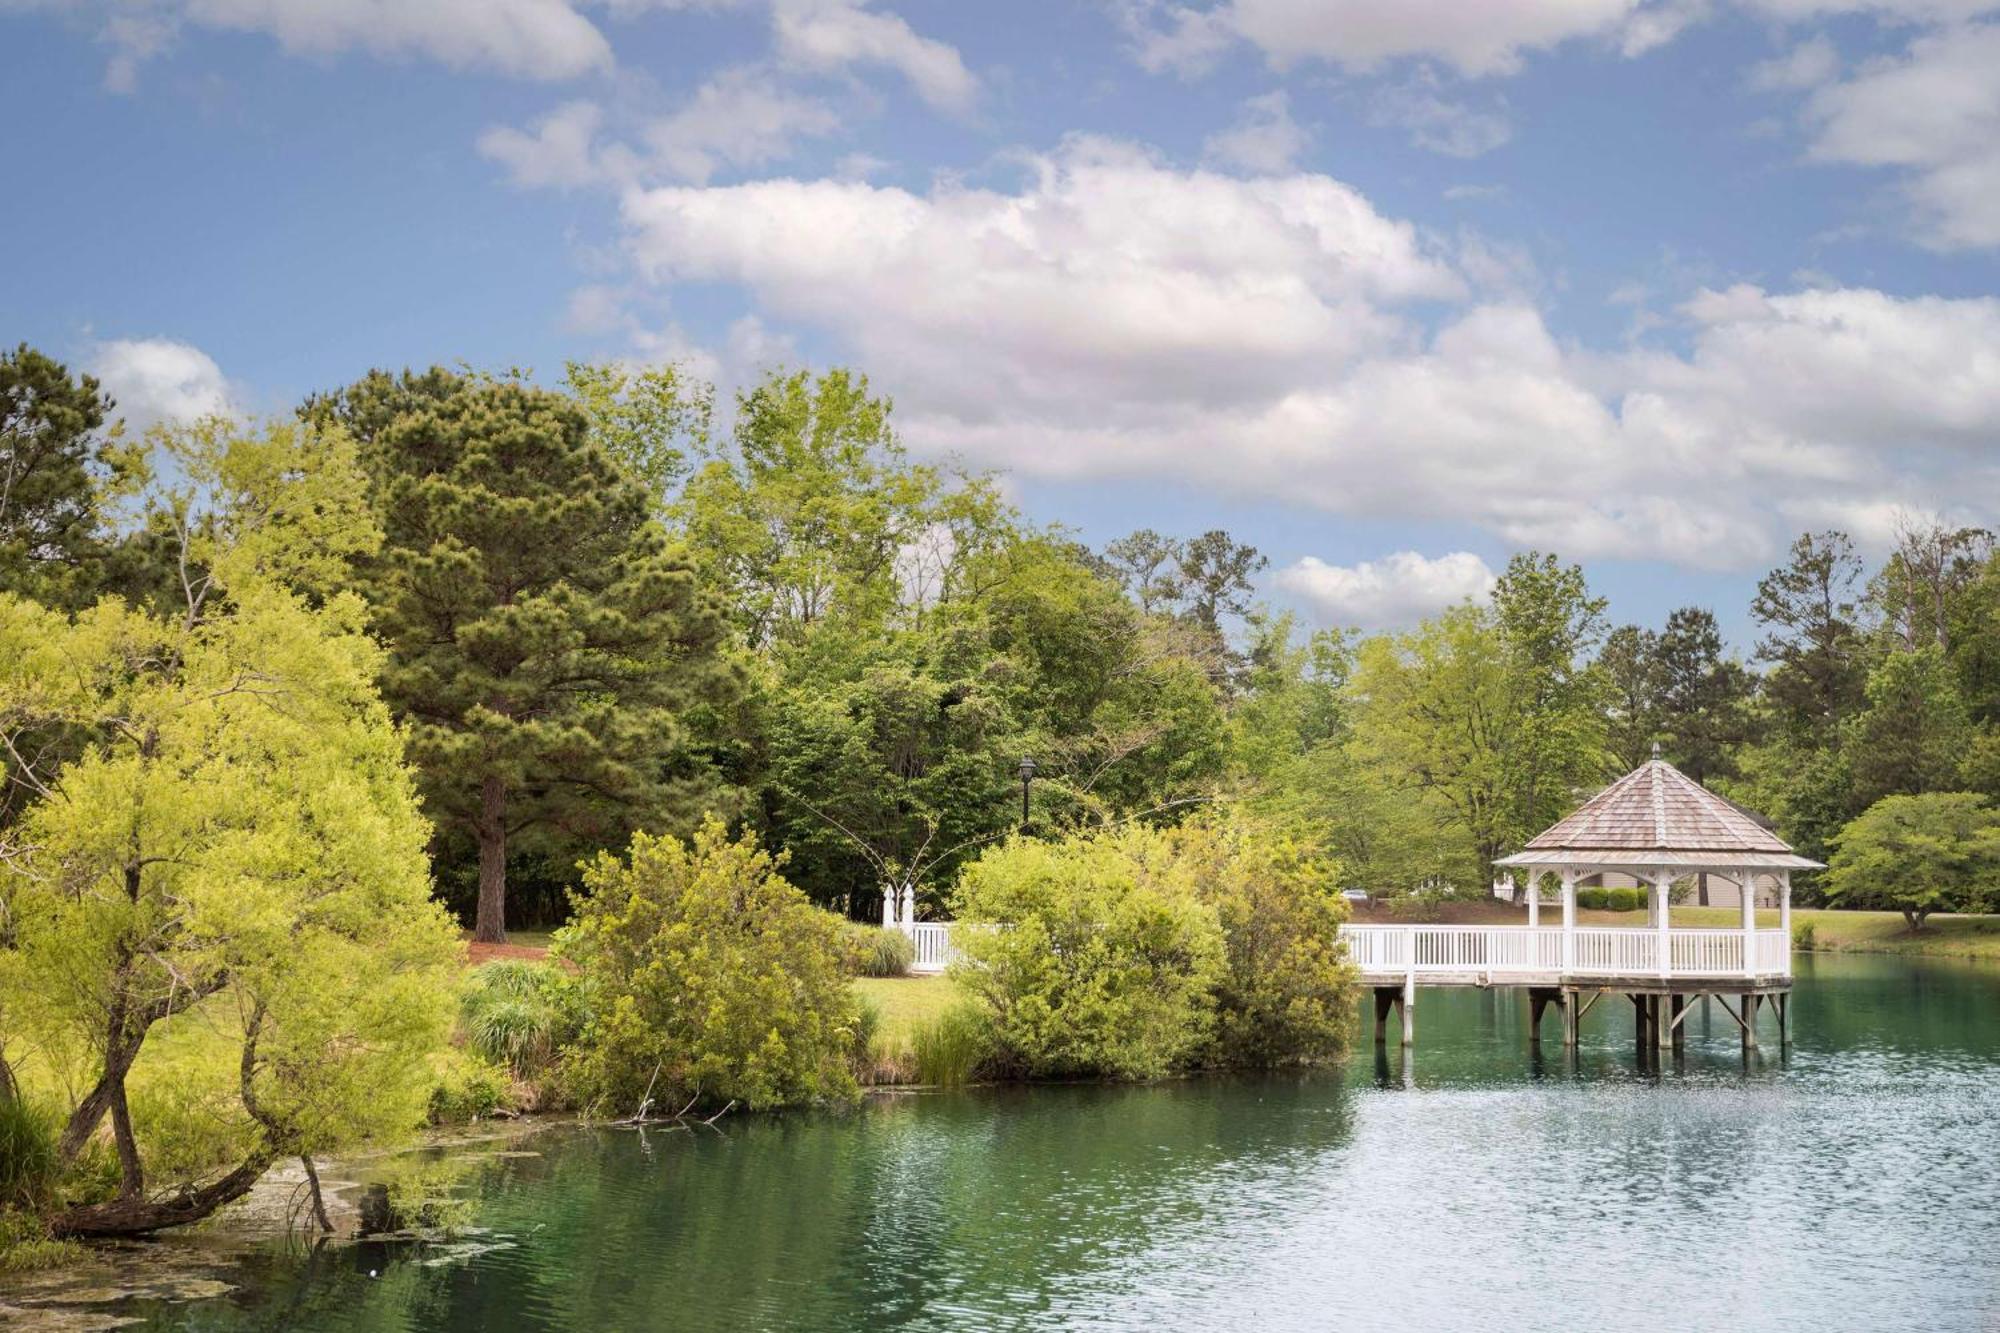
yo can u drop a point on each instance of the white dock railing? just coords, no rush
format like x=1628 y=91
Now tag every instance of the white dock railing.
x=1538 y=950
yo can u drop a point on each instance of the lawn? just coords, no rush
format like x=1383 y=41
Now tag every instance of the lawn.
x=906 y=1003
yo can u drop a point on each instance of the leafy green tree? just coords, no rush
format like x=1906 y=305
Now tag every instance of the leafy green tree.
x=241 y=840
x=1937 y=852
x=1216 y=572
x=1552 y=725
x=58 y=468
x=1917 y=590
x=892 y=770
x=653 y=421
x=1148 y=565
x=710 y=979
x=1808 y=608
x=805 y=516
x=1093 y=955
x=1704 y=698
x=1434 y=721
x=1631 y=668
x=547 y=650
x=1913 y=734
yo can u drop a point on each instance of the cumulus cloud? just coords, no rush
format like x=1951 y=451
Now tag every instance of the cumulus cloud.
x=539 y=39
x=1475 y=37
x=738 y=119
x=1264 y=138
x=1275 y=338
x=159 y=379
x=1398 y=589
x=830 y=35
x=1932 y=115
x=1107 y=271
x=559 y=151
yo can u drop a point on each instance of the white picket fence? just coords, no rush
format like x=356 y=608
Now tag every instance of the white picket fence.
x=933 y=941
x=1595 y=951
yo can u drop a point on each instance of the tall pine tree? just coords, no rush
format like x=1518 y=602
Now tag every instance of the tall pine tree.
x=546 y=648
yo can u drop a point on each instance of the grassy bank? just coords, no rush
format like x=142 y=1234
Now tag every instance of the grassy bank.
x=906 y=1003
x=1830 y=931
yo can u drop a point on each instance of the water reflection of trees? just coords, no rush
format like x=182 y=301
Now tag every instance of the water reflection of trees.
x=913 y=1205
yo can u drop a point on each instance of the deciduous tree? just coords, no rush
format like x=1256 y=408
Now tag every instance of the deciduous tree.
x=1938 y=852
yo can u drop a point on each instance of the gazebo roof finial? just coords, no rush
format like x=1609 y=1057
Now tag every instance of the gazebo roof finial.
x=1656 y=749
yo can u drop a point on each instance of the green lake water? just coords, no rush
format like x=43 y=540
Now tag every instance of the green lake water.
x=1853 y=1183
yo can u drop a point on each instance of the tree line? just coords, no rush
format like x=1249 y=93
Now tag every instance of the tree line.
x=604 y=609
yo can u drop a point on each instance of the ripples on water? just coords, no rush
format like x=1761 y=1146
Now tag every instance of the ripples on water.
x=1850 y=1186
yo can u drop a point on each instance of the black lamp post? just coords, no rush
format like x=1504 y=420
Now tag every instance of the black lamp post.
x=1027 y=777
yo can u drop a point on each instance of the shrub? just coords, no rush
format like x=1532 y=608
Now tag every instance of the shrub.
x=879 y=951
x=951 y=1049
x=1105 y=960
x=705 y=968
x=28 y=1163
x=1285 y=994
x=520 y=1014
x=1623 y=900
x=1804 y=936
x=465 y=1088
x=1594 y=899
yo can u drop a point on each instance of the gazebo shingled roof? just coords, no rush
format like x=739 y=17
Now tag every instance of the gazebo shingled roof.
x=1657 y=815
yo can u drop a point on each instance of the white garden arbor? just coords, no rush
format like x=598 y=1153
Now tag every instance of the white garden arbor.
x=1655 y=825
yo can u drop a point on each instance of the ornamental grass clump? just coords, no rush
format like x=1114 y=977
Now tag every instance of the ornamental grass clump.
x=520 y=1014
x=879 y=951
x=711 y=980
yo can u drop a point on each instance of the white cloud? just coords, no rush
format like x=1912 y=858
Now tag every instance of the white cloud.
x=740 y=118
x=1265 y=139
x=1807 y=65
x=1438 y=123
x=540 y=39
x=158 y=379
x=831 y=35
x=559 y=151
x=1398 y=589
x=1113 y=317
x=1933 y=114
x=1107 y=271
x=1475 y=37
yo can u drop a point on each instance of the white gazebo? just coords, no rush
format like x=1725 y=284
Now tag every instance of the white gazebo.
x=1655 y=825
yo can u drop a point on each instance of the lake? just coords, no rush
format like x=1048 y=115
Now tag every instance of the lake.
x=1854 y=1183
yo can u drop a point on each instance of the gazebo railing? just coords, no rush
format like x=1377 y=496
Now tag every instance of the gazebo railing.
x=1538 y=950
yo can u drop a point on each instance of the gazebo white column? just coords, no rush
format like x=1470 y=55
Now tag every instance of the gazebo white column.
x=1663 y=884
x=1749 y=896
x=1534 y=899
x=1569 y=920
x=1785 y=905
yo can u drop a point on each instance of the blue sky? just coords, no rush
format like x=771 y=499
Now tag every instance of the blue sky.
x=1388 y=290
